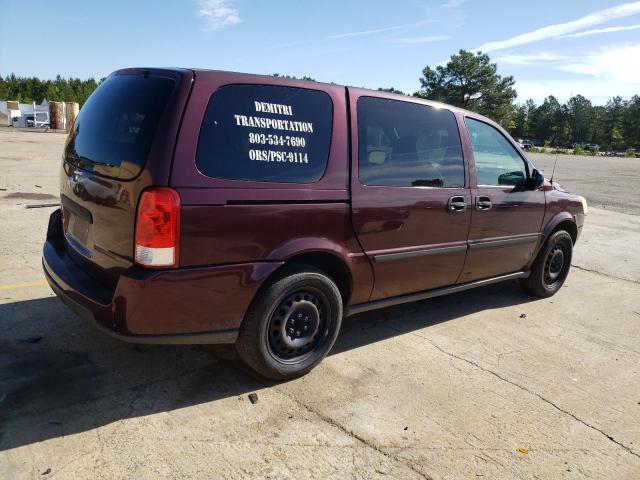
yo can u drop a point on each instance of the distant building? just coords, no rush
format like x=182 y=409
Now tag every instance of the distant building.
x=24 y=115
x=8 y=111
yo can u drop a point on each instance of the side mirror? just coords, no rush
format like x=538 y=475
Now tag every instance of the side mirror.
x=537 y=179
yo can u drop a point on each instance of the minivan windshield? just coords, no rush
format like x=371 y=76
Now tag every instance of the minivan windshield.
x=114 y=130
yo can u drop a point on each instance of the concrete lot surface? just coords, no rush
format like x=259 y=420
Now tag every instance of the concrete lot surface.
x=488 y=383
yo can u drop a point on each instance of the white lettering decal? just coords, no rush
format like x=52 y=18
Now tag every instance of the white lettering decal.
x=278 y=156
x=273 y=124
x=271 y=140
x=273 y=108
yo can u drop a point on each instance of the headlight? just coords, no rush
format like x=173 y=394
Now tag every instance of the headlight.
x=585 y=208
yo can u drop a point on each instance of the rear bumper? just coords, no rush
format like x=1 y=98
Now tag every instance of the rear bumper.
x=179 y=306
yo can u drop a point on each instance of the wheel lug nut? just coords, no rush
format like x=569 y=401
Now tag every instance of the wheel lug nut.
x=298 y=333
x=291 y=330
x=305 y=328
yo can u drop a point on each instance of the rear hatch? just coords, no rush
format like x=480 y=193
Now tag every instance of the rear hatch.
x=120 y=144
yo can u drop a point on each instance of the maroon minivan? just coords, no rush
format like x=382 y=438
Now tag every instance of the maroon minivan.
x=212 y=207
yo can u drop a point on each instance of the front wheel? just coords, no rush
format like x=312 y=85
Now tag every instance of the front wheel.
x=292 y=324
x=551 y=266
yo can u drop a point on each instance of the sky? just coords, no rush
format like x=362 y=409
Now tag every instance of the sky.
x=551 y=47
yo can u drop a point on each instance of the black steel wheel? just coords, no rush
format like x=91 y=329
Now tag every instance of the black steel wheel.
x=551 y=266
x=292 y=323
x=298 y=325
x=554 y=265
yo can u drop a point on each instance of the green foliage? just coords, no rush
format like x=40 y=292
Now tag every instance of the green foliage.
x=614 y=126
x=579 y=113
x=578 y=150
x=630 y=153
x=631 y=122
x=469 y=80
x=392 y=90
x=294 y=78
x=32 y=89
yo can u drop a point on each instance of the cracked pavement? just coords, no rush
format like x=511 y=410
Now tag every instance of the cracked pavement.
x=455 y=387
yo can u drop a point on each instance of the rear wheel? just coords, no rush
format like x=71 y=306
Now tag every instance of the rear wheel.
x=292 y=324
x=551 y=266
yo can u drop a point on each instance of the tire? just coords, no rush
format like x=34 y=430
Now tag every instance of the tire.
x=551 y=266
x=291 y=324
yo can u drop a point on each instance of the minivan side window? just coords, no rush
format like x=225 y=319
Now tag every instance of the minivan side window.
x=266 y=133
x=404 y=144
x=497 y=161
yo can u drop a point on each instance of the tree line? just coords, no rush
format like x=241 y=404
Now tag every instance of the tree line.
x=32 y=89
x=613 y=126
x=468 y=80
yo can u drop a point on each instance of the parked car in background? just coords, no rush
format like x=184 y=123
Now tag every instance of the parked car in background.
x=524 y=144
x=207 y=207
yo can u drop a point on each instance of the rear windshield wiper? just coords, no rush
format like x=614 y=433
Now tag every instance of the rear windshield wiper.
x=83 y=160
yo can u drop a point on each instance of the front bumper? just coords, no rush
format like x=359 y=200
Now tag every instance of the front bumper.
x=178 y=306
x=579 y=219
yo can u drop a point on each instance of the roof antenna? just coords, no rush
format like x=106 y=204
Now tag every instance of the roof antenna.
x=554 y=166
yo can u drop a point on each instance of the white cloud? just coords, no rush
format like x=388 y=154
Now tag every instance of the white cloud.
x=598 y=75
x=418 y=40
x=615 y=64
x=559 y=29
x=528 y=59
x=598 y=91
x=376 y=30
x=359 y=33
x=217 y=14
x=453 y=3
x=601 y=30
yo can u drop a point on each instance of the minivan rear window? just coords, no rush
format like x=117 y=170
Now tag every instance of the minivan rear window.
x=114 y=130
x=266 y=133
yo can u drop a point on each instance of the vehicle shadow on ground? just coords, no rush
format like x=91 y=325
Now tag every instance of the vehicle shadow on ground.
x=76 y=379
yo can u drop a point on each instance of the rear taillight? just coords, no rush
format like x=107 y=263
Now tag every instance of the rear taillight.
x=158 y=228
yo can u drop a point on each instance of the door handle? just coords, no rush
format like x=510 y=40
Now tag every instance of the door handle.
x=483 y=203
x=456 y=204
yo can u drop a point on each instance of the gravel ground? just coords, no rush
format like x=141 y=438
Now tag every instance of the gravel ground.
x=610 y=183
x=488 y=383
